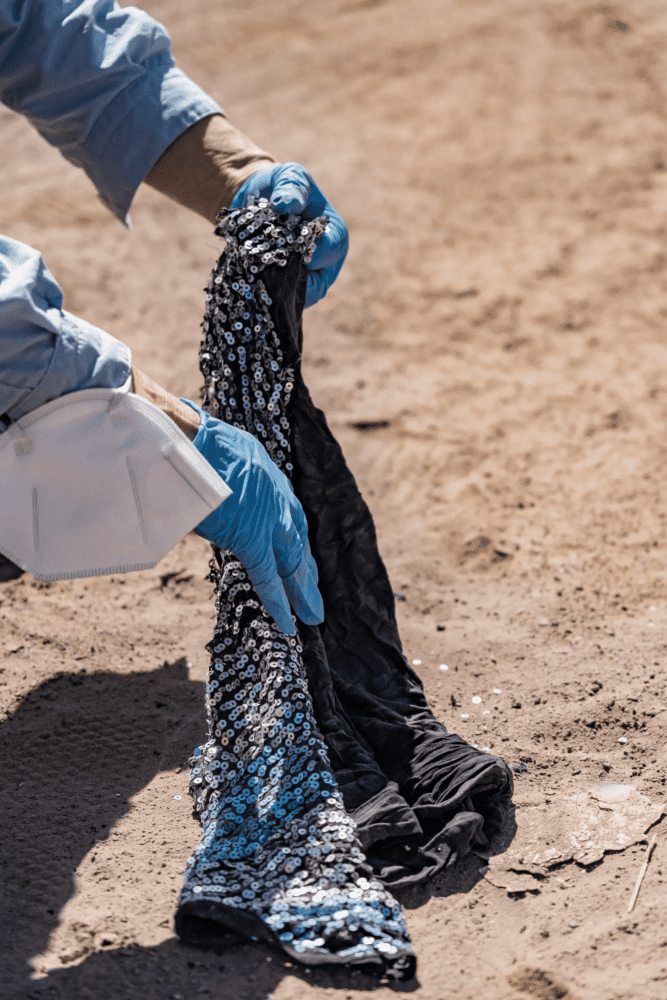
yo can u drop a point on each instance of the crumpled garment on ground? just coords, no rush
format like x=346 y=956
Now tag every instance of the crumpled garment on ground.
x=420 y=797
x=279 y=858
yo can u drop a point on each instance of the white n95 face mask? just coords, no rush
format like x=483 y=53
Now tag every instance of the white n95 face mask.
x=99 y=481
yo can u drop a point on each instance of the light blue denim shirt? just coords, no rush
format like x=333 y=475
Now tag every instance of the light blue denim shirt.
x=44 y=350
x=99 y=82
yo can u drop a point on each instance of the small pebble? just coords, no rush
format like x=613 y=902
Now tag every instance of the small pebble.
x=497 y=691
x=622 y=739
x=573 y=923
x=399 y=597
x=443 y=666
x=486 y=712
x=476 y=699
x=416 y=663
x=177 y=798
x=475 y=746
x=464 y=715
x=486 y=749
x=542 y=621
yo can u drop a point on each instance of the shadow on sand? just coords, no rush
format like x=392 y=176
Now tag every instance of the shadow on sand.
x=74 y=752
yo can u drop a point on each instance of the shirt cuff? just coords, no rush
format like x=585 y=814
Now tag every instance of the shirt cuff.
x=134 y=131
x=84 y=357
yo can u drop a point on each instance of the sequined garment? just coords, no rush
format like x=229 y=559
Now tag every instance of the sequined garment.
x=279 y=857
x=247 y=384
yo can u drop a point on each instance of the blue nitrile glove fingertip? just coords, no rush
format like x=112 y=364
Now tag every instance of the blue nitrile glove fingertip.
x=289 y=199
x=316 y=287
x=284 y=622
x=301 y=589
x=284 y=628
x=278 y=609
x=292 y=188
x=332 y=246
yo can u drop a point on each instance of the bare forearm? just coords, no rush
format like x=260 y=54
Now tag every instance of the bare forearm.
x=204 y=168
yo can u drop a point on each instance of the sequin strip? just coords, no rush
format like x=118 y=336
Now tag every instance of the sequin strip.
x=276 y=841
x=247 y=384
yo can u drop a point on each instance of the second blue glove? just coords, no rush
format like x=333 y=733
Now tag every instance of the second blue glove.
x=290 y=189
x=262 y=523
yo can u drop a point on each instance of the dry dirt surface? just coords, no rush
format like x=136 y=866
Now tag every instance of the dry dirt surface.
x=494 y=360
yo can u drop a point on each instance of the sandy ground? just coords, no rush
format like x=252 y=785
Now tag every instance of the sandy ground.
x=503 y=170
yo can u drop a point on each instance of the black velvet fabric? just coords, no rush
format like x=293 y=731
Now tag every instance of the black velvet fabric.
x=421 y=797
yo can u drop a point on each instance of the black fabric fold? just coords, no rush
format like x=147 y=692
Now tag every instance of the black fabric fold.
x=399 y=770
x=326 y=782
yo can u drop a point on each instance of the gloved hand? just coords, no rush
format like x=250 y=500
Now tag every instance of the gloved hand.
x=289 y=188
x=262 y=523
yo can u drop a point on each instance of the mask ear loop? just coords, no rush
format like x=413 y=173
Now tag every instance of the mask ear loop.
x=120 y=393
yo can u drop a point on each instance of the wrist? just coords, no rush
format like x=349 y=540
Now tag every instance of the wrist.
x=204 y=168
x=185 y=417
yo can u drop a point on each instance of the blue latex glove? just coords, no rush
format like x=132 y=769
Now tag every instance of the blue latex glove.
x=262 y=523
x=289 y=188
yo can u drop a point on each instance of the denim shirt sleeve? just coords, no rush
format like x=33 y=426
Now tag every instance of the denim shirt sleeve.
x=45 y=351
x=99 y=82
